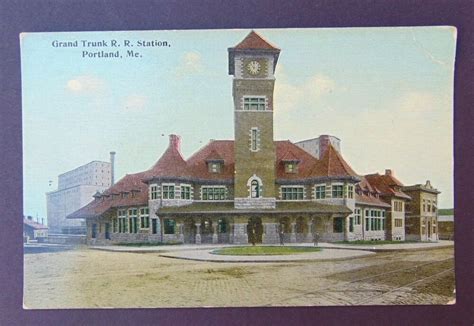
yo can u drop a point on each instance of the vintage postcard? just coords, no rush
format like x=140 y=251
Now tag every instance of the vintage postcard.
x=238 y=168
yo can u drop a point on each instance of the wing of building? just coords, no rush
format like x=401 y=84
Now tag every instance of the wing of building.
x=250 y=189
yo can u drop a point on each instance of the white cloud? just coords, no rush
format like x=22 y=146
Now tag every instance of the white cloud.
x=191 y=63
x=85 y=84
x=135 y=102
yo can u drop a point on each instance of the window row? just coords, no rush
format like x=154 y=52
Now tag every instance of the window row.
x=169 y=192
x=256 y=103
x=128 y=221
x=337 y=191
x=374 y=224
x=429 y=206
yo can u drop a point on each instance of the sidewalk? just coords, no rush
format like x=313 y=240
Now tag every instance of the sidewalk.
x=412 y=246
x=326 y=245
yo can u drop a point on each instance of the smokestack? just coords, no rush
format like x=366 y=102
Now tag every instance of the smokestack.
x=389 y=172
x=112 y=168
x=175 y=142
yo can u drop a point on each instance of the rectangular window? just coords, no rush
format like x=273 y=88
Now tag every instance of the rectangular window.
x=254 y=139
x=254 y=103
x=351 y=224
x=383 y=224
x=133 y=225
x=94 y=231
x=292 y=193
x=114 y=225
x=213 y=193
x=185 y=192
x=367 y=224
x=144 y=218
x=122 y=219
x=320 y=192
x=398 y=222
x=357 y=216
x=338 y=225
x=154 y=192
x=337 y=191
x=350 y=191
x=372 y=224
x=169 y=226
x=168 y=191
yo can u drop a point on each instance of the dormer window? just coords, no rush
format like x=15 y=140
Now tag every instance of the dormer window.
x=214 y=167
x=290 y=167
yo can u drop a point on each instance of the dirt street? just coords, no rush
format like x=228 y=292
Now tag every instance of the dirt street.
x=85 y=278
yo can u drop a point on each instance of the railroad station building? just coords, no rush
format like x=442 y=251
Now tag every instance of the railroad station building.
x=250 y=189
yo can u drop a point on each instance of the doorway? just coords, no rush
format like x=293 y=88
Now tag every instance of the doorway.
x=254 y=229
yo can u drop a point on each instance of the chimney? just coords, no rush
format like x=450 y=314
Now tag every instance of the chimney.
x=175 y=142
x=389 y=172
x=112 y=168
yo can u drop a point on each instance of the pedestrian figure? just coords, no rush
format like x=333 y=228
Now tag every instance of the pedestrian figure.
x=281 y=236
x=315 y=239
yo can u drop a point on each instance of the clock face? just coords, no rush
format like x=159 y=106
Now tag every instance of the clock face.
x=254 y=67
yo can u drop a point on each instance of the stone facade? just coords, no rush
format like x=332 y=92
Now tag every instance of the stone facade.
x=252 y=189
x=422 y=213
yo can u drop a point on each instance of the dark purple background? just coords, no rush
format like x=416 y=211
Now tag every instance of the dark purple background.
x=109 y=15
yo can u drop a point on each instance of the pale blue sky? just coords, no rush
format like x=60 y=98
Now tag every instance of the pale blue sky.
x=386 y=92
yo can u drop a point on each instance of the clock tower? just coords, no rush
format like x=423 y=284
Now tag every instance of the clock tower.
x=252 y=62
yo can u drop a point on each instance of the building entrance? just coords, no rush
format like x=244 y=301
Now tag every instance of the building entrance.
x=255 y=229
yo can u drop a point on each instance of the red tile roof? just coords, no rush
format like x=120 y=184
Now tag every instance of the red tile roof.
x=366 y=194
x=220 y=148
x=254 y=41
x=332 y=164
x=112 y=197
x=362 y=199
x=171 y=164
x=387 y=185
x=286 y=149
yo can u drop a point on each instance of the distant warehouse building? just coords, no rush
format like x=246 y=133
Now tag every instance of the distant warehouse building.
x=76 y=188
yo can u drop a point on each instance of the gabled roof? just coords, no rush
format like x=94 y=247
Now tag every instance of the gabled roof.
x=387 y=185
x=332 y=165
x=224 y=149
x=290 y=157
x=368 y=199
x=255 y=41
x=286 y=149
x=106 y=201
x=214 y=156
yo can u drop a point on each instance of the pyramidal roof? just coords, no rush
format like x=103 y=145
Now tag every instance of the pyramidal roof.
x=255 y=41
x=332 y=164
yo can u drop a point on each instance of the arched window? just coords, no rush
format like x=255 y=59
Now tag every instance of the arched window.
x=254 y=189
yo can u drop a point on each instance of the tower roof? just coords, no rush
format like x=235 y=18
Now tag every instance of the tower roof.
x=255 y=41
